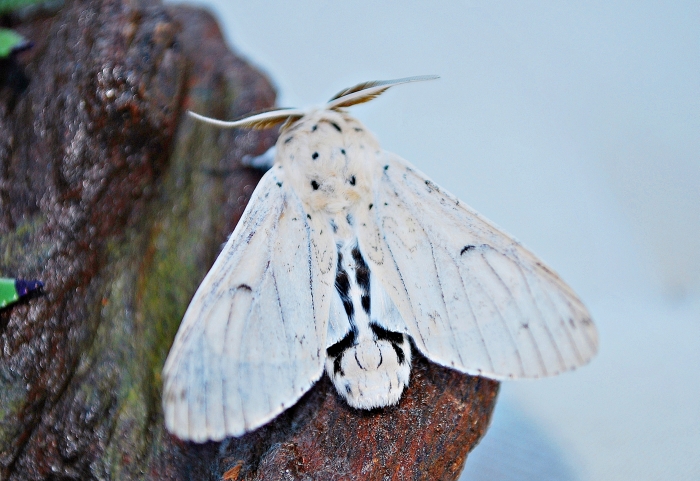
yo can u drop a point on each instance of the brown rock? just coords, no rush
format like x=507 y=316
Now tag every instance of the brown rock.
x=119 y=204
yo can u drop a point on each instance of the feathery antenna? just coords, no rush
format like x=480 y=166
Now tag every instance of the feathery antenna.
x=264 y=120
x=358 y=94
x=367 y=91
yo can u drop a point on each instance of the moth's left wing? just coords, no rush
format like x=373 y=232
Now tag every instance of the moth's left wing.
x=472 y=297
x=253 y=339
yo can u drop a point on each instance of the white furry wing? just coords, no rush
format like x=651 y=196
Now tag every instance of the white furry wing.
x=472 y=297
x=253 y=339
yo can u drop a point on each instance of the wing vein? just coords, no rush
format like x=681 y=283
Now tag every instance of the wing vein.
x=442 y=293
x=541 y=316
x=500 y=314
x=474 y=316
x=437 y=271
x=531 y=336
x=562 y=322
x=309 y=258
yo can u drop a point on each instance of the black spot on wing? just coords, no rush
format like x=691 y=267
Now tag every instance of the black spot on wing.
x=314 y=155
x=466 y=249
x=279 y=184
x=337 y=127
x=288 y=139
x=349 y=219
x=313 y=129
x=314 y=185
x=352 y=180
x=245 y=287
x=342 y=151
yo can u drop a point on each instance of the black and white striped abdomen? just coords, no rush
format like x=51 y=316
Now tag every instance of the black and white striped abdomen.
x=369 y=357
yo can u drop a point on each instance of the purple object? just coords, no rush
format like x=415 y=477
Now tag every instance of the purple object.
x=25 y=287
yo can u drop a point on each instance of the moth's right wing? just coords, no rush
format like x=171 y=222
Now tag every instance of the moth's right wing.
x=471 y=296
x=252 y=341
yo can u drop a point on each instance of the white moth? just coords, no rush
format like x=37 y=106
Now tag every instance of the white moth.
x=344 y=252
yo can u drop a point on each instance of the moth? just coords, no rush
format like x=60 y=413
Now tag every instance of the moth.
x=345 y=259
x=12 y=290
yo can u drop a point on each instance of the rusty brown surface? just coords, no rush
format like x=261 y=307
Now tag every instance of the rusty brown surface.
x=119 y=204
x=427 y=436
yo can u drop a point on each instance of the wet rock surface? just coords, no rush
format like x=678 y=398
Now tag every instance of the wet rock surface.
x=119 y=203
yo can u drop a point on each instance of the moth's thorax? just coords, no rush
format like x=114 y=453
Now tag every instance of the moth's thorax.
x=328 y=157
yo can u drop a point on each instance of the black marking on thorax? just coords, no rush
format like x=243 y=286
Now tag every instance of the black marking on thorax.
x=336 y=126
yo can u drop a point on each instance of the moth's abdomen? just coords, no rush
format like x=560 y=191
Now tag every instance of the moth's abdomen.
x=372 y=372
x=369 y=364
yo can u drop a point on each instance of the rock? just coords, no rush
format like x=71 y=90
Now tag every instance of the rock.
x=120 y=203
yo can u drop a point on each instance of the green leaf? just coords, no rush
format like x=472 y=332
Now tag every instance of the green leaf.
x=9 y=40
x=8 y=293
x=10 y=5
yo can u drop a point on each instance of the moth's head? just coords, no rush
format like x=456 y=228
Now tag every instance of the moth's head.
x=322 y=151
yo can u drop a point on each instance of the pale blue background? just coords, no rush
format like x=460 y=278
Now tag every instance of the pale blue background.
x=576 y=127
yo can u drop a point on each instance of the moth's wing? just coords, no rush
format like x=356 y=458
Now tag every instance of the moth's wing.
x=252 y=341
x=472 y=297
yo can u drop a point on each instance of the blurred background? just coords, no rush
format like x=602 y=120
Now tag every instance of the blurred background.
x=575 y=126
